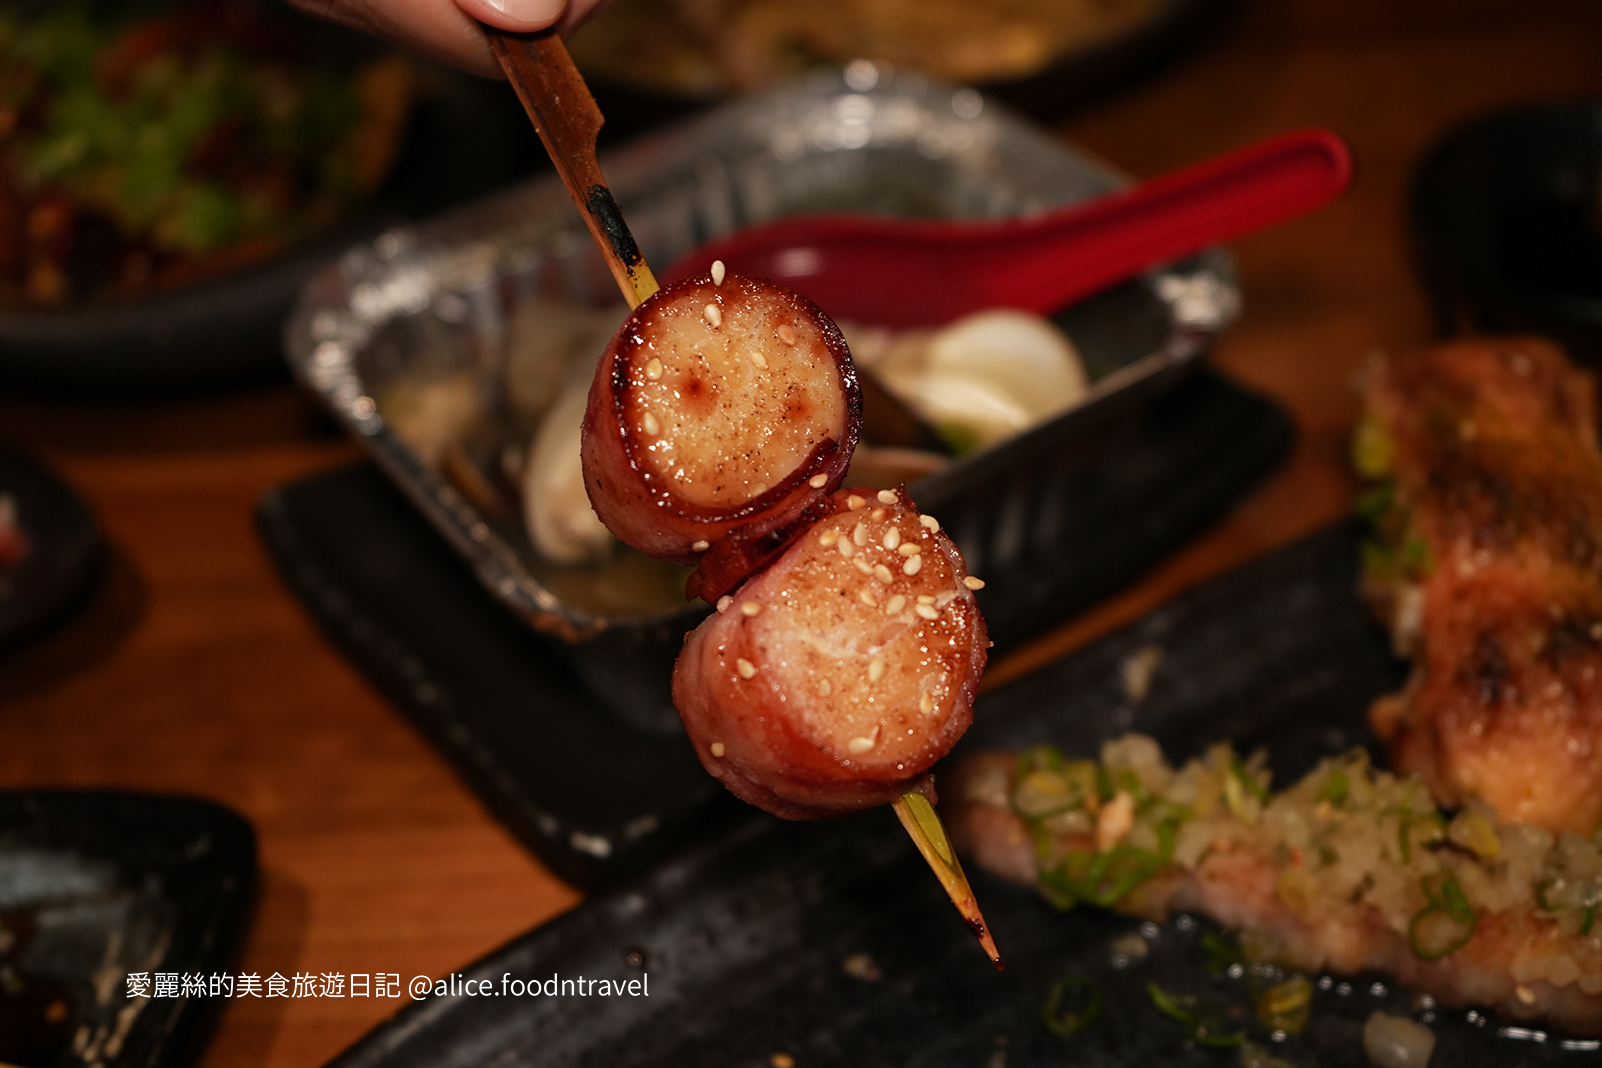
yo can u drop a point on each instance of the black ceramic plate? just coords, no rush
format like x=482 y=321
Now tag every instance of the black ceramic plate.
x=64 y=553
x=95 y=886
x=535 y=726
x=1507 y=219
x=832 y=944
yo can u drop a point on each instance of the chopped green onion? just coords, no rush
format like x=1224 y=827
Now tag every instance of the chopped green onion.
x=1334 y=788
x=1043 y=793
x=1286 y=1006
x=1222 y=954
x=1374 y=503
x=1445 y=925
x=1205 y=1021
x=1083 y=993
x=1372 y=450
x=1104 y=783
x=1100 y=879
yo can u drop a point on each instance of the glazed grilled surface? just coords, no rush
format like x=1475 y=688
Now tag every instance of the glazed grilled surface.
x=719 y=407
x=833 y=680
x=1488 y=567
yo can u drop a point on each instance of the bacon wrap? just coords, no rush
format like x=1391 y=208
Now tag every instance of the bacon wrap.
x=713 y=411
x=835 y=690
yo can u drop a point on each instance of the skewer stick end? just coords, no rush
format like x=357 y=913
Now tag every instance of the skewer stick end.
x=922 y=824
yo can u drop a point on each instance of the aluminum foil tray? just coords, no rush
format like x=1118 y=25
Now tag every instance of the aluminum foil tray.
x=444 y=298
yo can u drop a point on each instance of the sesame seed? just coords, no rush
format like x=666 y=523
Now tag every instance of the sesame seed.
x=787 y=334
x=751 y=608
x=913 y=565
x=876 y=669
x=926 y=598
x=973 y=583
x=930 y=522
x=714 y=314
x=759 y=361
x=717 y=749
x=892 y=538
x=718 y=272
x=887 y=497
x=867 y=597
x=724 y=602
x=882 y=573
x=818 y=481
x=847 y=550
x=824 y=688
x=828 y=537
x=759 y=489
x=855 y=503
x=652 y=427
x=744 y=667
x=701 y=546
x=653 y=370
x=863 y=566
x=927 y=611
x=859 y=534
x=925 y=704
x=860 y=745
x=909 y=548
x=895 y=604
x=876 y=515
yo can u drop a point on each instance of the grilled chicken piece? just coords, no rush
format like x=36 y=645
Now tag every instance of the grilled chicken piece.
x=1349 y=870
x=1488 y=567
x=833 y=680
x=720 y=406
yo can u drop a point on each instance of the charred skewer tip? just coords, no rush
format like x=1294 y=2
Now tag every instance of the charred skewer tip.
x=918 y=816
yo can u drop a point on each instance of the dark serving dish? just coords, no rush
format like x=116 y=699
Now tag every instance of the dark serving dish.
x=464 y=137
x=64 y=552
x=578 y=749
x=1507 y=218
x=98 y=885
x=433 y=312
x=829 y=942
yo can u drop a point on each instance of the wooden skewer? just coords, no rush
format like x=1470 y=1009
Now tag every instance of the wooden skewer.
x=568 y=120
x=918 y=816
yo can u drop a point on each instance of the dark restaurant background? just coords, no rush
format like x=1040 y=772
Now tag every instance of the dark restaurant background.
x=195 y=671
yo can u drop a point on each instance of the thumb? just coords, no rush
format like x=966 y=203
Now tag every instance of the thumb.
x=519 y=16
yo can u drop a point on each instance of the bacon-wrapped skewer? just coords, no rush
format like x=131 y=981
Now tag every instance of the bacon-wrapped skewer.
x=722 y=404
x=844 y=662
x=833 y=680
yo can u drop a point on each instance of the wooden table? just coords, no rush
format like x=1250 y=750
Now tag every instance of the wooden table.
x=196 y=672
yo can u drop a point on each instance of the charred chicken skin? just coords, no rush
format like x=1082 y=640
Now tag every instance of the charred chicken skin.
x=1488 y=567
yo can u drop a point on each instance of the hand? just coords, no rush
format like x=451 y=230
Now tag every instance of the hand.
x=449 y=30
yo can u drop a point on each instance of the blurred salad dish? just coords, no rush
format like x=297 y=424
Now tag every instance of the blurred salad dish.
x=144 y=150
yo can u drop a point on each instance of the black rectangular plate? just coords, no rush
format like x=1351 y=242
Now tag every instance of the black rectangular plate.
x=97 y=884
x=596 y=798
x=744 y=939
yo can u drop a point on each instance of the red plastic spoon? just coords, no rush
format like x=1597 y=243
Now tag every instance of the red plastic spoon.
x=902 y=272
